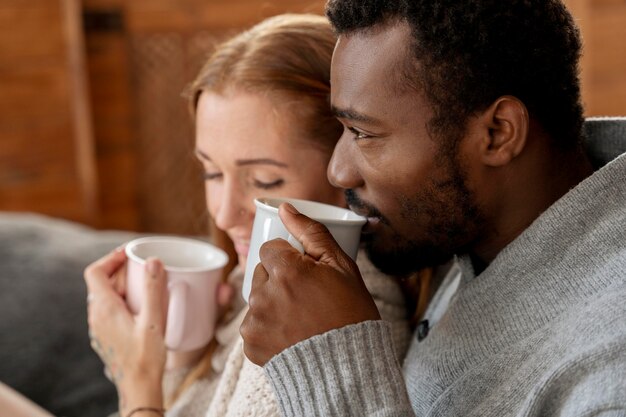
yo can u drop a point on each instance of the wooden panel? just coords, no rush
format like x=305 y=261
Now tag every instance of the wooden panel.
x=170 y=187
x=84 y=152
x=114 y=127
x=193 y=15
x=31 y=29
x=46 y=160
x=599 y=4
x=36 y=153
x=607 y=59
x=603 y=65
x=607 y=49
x=609 y=99
x=33 y=92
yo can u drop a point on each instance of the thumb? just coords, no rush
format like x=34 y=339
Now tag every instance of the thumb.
x=314 y=236
x=154 y=289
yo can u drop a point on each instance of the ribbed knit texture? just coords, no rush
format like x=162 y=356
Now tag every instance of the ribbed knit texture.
x=541 y=332
x=320 y=377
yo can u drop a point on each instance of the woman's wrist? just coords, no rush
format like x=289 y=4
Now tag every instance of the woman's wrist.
x=138 y=393
x=145 y=412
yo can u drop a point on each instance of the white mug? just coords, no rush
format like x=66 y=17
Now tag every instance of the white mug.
x=343 y=224
x=194 y=270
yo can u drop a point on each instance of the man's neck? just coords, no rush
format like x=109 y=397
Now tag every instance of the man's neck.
x=535 y=188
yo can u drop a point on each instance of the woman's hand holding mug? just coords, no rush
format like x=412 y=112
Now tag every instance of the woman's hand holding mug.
x=132 y=348
x=157 y=298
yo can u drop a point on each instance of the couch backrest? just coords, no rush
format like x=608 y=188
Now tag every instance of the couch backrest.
x=605 y=138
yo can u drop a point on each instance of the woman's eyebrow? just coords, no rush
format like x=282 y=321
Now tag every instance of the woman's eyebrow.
x=243 y=162
x=202 y=155
x=261 y=161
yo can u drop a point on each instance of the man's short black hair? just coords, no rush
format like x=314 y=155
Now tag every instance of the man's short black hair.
x=471 y=52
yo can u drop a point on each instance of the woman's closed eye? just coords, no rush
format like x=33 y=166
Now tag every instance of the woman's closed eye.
x=208 y=176
x=261 y=184
x=269 y=185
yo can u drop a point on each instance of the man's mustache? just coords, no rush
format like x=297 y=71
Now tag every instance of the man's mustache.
x=365 y=209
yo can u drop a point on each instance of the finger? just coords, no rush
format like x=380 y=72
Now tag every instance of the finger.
x=278 y=258
x=111 y=262
x=259 y=278
x=252 y=342
x=152 y=313
x=119 y=280
x=98 y=273
x=314 y=236
x=225 y=293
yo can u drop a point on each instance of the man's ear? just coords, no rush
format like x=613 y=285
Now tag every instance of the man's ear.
x=505 y=131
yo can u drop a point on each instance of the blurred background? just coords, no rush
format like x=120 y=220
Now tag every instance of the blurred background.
x=93 y=127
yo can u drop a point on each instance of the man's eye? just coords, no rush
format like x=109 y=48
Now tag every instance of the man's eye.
x=268 y=185
x=357 y=134
x=208 y=176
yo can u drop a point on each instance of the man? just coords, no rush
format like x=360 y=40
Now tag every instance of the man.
x=462 y=137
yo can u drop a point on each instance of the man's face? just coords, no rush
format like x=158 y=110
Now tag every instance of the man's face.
x=414 y=193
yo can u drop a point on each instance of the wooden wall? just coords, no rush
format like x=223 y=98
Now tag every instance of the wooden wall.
x=46 y=142
x=604 y=37
x=93 y=127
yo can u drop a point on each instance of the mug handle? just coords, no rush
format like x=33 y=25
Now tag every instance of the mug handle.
x=295 y=243
x=176 y=314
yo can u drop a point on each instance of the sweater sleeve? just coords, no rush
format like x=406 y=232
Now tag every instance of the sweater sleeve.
x=352 y=371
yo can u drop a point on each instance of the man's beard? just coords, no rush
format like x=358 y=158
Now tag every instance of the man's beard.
x=451 y=220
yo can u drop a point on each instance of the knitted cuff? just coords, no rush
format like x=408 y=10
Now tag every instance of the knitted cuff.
x=347 y=371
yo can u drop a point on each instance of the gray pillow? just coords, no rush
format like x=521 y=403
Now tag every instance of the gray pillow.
x=44 y=345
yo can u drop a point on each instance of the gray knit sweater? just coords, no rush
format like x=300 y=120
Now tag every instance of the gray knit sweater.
x=541 y=332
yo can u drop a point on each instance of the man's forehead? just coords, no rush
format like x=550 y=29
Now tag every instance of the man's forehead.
x=386 y=43
x=370 y=62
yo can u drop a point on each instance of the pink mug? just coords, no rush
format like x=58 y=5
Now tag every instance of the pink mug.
x=194 y=270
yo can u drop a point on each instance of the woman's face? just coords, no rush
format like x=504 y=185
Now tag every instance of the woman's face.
x=250 y=147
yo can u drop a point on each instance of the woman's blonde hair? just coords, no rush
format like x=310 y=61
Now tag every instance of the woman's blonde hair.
x=287 y=59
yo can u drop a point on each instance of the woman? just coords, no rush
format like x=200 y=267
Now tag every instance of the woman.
x=263 y=128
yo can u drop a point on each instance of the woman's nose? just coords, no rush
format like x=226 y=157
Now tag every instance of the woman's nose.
x=342 y=169
x=230 y=208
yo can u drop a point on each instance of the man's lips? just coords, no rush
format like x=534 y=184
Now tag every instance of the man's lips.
x=372 y=221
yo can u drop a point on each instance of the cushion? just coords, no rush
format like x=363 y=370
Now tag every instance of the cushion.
x=44 y=347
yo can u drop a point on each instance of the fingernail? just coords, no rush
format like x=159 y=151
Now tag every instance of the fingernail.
x=153 y=267
x=290 y=208
x=120 y=248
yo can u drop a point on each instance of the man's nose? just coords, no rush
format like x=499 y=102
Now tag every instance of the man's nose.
x=342 y=169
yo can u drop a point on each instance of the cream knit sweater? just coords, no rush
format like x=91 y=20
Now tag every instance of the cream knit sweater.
x=238 y=388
